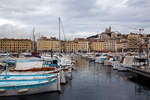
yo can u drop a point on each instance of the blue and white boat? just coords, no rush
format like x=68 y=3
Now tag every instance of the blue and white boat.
x=14 y=85
x=57 y=62
x=25 y=84
x=109 y=60
x=100 y=59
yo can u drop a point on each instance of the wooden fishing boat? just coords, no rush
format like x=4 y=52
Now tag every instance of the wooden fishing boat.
x=26 y=83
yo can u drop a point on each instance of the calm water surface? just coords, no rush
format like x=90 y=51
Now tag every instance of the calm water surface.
x=95 y=82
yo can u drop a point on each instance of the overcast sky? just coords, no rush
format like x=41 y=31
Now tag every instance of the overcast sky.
x=80 y=18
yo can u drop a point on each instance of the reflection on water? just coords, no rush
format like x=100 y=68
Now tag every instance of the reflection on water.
x=95 y=82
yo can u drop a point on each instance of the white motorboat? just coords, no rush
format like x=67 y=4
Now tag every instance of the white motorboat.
x=100 y=59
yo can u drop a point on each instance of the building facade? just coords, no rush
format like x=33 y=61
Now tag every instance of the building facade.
x=15 y=45
x=110 y=45
x=97 y=46
x=48 y=44
x=134 y=41
x=82 y=45
x=78 y=45
x=71 y=46
x=122 y=44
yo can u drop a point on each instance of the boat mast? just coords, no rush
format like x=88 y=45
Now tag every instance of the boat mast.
x=62 y=43
x=33 y=31
x=6 y=73
x=59 y=28
x=59 y=35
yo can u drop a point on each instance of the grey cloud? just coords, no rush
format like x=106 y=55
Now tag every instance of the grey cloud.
x=77 y=16
x=13 y=31
x=138 y=3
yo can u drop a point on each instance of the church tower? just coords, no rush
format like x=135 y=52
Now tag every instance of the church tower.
x=108 y=30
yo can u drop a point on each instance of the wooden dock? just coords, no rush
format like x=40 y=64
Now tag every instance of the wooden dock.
x=141 y=71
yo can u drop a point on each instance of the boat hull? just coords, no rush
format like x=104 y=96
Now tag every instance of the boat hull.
x=108 y=63
x=68 y=72
x=53 y=86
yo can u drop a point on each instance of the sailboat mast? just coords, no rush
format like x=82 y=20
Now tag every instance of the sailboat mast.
x=59 y=28
x=33 y=38
x=59 y=36
x=6 y=73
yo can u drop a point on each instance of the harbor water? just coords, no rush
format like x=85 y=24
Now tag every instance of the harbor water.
x=95 y=82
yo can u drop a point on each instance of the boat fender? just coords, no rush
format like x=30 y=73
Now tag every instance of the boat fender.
x=23 y=90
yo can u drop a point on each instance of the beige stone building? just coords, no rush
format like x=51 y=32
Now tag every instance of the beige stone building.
x=71 y=46
x=110 y=45
x=134 y=41
x=122 y=46
x=48 y=44
x=15 y=45
x=97 y=46
x=82 y=44
x=78 y=45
